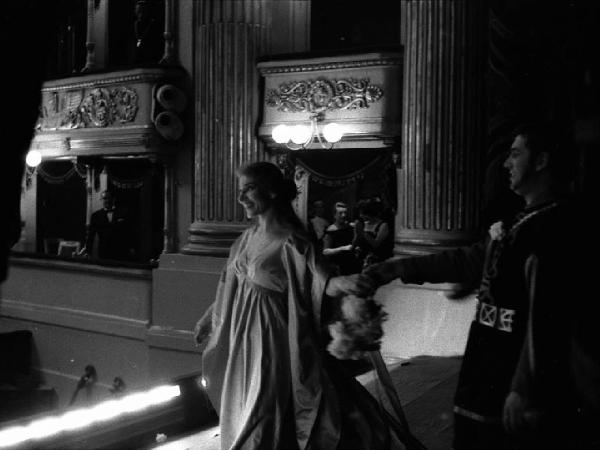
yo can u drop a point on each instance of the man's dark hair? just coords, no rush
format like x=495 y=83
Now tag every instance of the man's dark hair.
x=556 y=141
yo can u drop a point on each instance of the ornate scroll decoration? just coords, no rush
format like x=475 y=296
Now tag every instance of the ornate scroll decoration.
x=96 y=108
x=71 y=117
x=125 y=104
x=100 y=107
x=323 y=95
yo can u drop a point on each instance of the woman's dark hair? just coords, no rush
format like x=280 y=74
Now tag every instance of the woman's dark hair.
x=269 y=179
x=370 y=207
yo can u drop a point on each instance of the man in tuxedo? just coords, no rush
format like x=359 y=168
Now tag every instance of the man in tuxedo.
x=114 y=231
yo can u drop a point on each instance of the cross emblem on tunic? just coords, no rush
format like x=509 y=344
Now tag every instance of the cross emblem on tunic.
x=506 y=319
x=488 y=314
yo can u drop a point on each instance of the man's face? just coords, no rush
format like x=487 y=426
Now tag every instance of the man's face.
x=520 y=165
x=107 y=200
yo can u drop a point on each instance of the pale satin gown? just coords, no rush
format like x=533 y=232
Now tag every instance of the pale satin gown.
x=267 y=372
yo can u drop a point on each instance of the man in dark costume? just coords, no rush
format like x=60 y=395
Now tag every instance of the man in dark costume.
x=519 y=385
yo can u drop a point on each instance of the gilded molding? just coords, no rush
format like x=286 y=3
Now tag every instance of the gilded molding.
x=117 y=142
x=331 y=65
x=96 y=82
x=98 y=108
x=316 y=96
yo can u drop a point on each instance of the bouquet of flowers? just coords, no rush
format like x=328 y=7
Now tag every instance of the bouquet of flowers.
x=497 y=231
x=358 y=329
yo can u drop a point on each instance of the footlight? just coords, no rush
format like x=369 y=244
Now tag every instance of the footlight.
x=85 y=417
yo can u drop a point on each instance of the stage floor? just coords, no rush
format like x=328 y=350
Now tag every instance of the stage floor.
x=207 y=439
x=425 y=385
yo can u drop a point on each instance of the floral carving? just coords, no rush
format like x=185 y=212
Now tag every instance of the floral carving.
x=125 y=104
x=96 y=108
x=71 y=115
x=100 y=107
x=323 y=95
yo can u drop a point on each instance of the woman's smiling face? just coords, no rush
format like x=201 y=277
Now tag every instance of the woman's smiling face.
x=252 y=198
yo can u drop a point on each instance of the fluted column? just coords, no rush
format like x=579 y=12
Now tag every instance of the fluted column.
x=231 y=36
x=443 y=124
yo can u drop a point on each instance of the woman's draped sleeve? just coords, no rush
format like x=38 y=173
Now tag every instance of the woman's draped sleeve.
x=213 y=361
x=310 y=384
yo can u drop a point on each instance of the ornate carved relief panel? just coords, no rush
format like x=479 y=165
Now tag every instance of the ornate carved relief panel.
x=114 y=113
x=361 y=92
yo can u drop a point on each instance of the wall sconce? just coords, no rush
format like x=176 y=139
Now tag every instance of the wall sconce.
x=300 y=136
x=32 y=160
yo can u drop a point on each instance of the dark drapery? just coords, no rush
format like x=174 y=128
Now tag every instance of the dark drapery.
x=348 y=175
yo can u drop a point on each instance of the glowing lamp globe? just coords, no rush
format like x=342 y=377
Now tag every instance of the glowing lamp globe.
x=281 y=134
x=300 y=134
x=33 y=158
x=333 y=132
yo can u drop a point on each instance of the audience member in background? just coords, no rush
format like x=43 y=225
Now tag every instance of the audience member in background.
x=372 y=235
x=317 y=223
x=114 y=230
x=338 y=242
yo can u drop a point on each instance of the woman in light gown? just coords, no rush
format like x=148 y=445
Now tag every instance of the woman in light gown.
x=267 y=372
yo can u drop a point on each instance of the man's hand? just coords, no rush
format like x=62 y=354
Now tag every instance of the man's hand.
x=357 y=284
x=383 y=272
x=519 y=416
x=359 y=227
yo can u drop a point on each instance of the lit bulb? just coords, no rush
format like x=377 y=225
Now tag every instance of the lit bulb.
x=333 y=132
x=281 y=134
x=33 y=158
x=300 y=134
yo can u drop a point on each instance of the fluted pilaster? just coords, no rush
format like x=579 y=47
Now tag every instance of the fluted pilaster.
x=443 y=124
x=231 y=36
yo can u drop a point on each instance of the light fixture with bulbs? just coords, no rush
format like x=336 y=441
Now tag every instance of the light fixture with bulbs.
x=32 y=161
x=33 y=158
x=301 y=136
